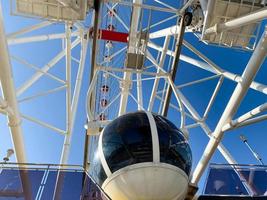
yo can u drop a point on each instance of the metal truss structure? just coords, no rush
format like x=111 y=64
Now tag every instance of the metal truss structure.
x=136 y=48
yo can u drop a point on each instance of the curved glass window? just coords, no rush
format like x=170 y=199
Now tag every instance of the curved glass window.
x=174 y=148
x=97 y=171
x=127 y=140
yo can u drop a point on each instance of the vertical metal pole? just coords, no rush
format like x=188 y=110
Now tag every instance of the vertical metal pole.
x=156 y=82
x=14 y=120
x=241 y=89
x=177 y=53
x=244 y=139
x=66 y=146
x=126 y=82
x=8 y=89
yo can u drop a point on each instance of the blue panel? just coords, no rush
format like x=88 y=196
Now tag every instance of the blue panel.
x=11 y=183
x=74 y=185
x=257 y=179
x=225 y=182
x=237 y=180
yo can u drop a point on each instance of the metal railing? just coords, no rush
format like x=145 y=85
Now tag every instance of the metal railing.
x=39 y=181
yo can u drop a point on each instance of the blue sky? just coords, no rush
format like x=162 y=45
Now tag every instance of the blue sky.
x=44 y=145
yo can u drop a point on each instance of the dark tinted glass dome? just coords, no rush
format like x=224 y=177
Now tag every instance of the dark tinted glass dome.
x=128 y=140
x=174 y=148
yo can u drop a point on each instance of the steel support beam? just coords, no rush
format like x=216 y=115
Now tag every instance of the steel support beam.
x=139 y=87
x=156 y=82
x=126 y=82
x=5 y=107
x=29 y=29
x=69 y=116
x=38 y=38
x=74 y=103
x=210 y=66
x=94 y=50
x=238 y=22
x=245 y=117
x=240 y=91
x=178 y=48
x=8 y=90
x=14 y=121
x=205 y=127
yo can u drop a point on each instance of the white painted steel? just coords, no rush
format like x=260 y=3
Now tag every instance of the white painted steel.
x=73 y=99
x=44 y=69
x=238 y=22
x=69 y=114
x=45 y=93
x=236 y=122
x=146 y=181
x=248 y=75
x=213 y=97
x=27 y=64
x=29 y=29
x=139 y=88
x=178 y=98
x=212 y=67
x=132 y=48
x=166 y=5
x=251 y=121
x=101 y=155
x=61 y=10
x=186 y=5
x=90 y=115
x=38 y=38
x=155 y=137
x=156 y=82
x=5 y=107
x=46 y=125
x=8 y=89
x=205 y=128
x=118 y=18
x=174 y=30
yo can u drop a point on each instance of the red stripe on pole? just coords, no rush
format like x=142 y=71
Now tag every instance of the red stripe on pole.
x=113 y=36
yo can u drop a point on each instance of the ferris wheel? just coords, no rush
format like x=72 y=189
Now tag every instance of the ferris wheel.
x=69 y=68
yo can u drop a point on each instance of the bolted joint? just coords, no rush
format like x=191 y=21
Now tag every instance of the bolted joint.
x=3 y=104
x=187 y=18
x=14 y=123
x=125 y=85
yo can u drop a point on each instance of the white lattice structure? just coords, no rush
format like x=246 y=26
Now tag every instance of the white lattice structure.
x=137 y=66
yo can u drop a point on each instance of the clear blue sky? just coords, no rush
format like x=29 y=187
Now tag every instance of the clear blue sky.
x=44 y=145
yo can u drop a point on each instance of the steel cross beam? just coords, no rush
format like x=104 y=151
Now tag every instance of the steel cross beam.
x=210 y=66
x=240 y=91
x=205 y=127
x=226 y=154
x=44 y=69
x=245 y=117
x=29 y=29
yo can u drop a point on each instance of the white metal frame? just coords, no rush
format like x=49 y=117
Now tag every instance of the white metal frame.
x=156 y=71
